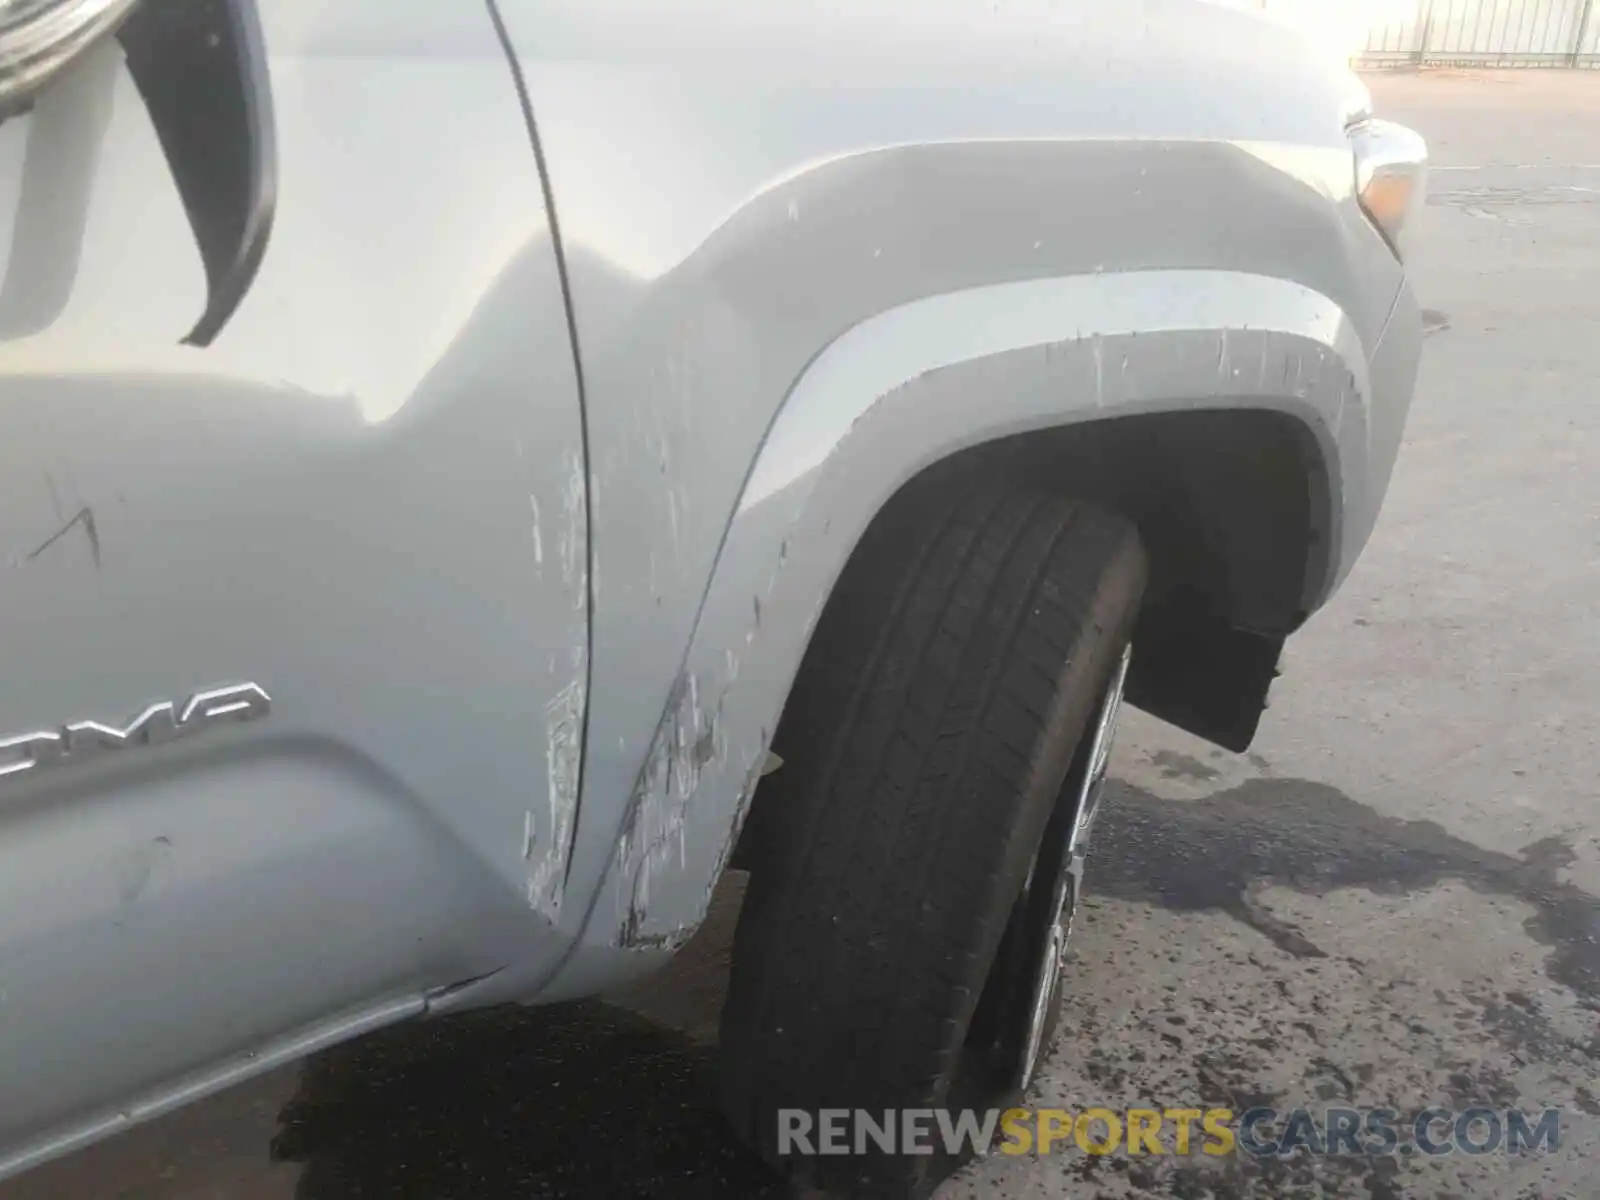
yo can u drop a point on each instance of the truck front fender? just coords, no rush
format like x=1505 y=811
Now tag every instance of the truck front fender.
x=885 y=400
x=769 y=221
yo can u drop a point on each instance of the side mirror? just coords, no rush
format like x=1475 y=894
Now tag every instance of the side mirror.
x=39 y=37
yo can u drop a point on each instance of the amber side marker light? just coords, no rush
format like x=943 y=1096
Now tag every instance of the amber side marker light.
x=1391 y=165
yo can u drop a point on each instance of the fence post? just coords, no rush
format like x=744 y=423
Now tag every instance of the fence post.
x=1426 y=12
x=1583 y=33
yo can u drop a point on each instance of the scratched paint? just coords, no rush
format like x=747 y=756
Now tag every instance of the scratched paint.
x=693 y=758
x=686 y=741
x=538 y=532
x=547 y=869
x=573 y=541
x=82 y=519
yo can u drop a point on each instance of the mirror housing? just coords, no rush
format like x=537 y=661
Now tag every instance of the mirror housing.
x=40 y=37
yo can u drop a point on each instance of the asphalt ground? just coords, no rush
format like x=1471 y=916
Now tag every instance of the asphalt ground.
x=1390 y=902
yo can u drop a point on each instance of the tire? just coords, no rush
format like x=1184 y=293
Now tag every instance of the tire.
x=938 y=713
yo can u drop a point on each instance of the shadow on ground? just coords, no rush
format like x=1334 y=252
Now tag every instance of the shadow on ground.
x=576 y=1100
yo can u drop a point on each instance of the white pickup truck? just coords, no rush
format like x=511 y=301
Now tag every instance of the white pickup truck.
x=459 y=460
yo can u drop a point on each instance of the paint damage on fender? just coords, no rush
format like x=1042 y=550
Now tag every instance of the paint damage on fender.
x=547 y=869
x=694 y=751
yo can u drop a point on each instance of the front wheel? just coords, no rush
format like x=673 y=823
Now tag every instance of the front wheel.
x=916 y=862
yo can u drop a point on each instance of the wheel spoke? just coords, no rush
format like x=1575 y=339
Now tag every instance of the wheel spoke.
x=1085 y=801
x=1090 y=789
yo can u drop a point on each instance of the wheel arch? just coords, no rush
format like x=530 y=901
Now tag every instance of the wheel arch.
x=1234 y=509
x=973 y=373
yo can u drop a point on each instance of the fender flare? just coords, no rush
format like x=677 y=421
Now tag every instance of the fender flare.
x=882 y=402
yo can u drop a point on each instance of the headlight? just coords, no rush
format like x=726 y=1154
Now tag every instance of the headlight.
x=1391 y=174
x=39 y=37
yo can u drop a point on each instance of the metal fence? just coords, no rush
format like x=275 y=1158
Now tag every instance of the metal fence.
x=1490 y=33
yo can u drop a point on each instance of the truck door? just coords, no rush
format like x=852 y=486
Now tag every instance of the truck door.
x=293 y=549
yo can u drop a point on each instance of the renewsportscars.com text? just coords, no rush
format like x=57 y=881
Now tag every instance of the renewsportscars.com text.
x=1257 y=1132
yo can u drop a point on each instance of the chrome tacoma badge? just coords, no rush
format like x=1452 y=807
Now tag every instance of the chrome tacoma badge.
x=163 y=722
